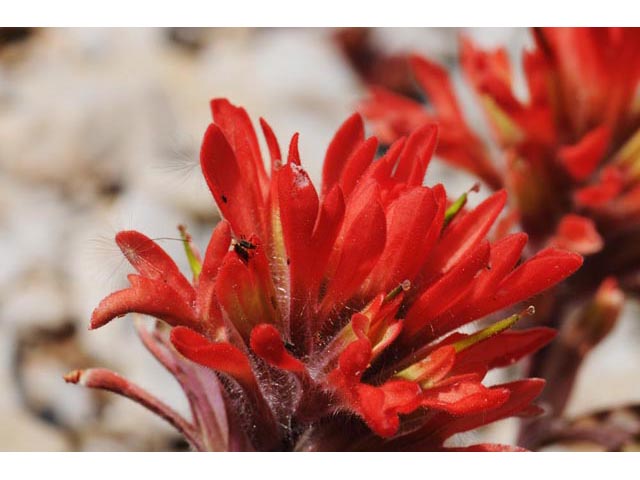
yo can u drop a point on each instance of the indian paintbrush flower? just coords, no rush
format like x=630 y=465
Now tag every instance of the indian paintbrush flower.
x=328 y=319
x=569 y=155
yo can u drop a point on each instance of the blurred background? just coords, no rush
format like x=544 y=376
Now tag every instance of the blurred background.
x=100 y=131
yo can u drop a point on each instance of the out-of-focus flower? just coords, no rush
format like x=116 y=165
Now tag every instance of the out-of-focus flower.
x=569 y=154
x=328 y=320
x=571 y=147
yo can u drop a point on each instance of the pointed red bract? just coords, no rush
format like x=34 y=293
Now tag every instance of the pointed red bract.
x=222 y=357
x=153 y=263
x=520 y=393
x=464 y=234
x=272 y=143
x=357 y=248
x=240 y=203
x=347 y=139
x=298 y=209
x=410 y=219
x=149 y=297
x=503 y=350
x=445 y=291
x=356 y=165
x=466 y=397
x=237 y=128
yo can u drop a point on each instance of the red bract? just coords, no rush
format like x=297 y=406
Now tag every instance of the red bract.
x=330 y=318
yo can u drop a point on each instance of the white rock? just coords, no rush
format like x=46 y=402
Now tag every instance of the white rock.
x=35 y=300
x=37 y=221
x=20 y=430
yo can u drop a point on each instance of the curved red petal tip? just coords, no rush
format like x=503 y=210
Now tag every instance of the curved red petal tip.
x=501 y=198
x=505 y=349
x=151 y=261
x=294 y=152
x=123 y=237
x=144 y=254
x=465 y=398
x=461 y=235
x=578 y=234
x=347 y=138
x=533 y=386
x=542 y=271
x=216 y=104
x=156 y=298
x=569 y=261
x=97 y=320
x=222 y=356
x=132 y=243
x=216 y=250
x=267 y=343
x=416 y=155
x=272 y=141
x=118 y=304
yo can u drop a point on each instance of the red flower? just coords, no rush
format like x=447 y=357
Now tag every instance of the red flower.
x=330 y=317
x=570 y=158
x=571 y=148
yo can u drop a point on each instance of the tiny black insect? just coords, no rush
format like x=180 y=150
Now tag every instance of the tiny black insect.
x=246 y=244
x=242 y=248
x=224 y=199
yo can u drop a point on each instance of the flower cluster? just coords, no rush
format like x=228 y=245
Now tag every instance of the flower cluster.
x=329 y=320
x=569 y=155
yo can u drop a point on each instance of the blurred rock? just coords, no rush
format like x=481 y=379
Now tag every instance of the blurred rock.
x=36 y=299
x=21 y=432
